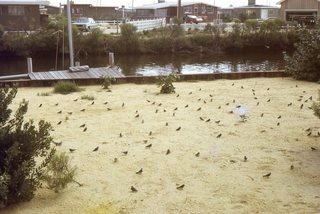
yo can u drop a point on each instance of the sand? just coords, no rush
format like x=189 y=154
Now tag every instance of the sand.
x=216 y=180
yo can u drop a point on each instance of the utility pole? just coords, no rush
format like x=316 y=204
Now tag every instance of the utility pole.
x=179 y=9
x=70 y=34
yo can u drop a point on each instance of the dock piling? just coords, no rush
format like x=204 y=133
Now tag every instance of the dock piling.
x=29 y=62
x=111 y=59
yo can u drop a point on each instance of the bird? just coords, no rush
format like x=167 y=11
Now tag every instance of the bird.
x=83 y=125
x=92 y=103
x=148 y=101
x=255 y=98
x=278 y=124
x=109 y=109
x=230 y=112
x=291 y=167
x=125 y=152
x=156 y=111
x=133 y=189
x=150 y=133
x=168 y=152
x=186 y=106
x=309 y=134
x=40 y=105
x=268 y=89
x=238 y=106
x=242 y=87
x=301 y=107
x=139 y=172
x=233 y=161
x=167 y=123
x=208 y=120
x=190 y=92
x=85 y=129
x=219 y=107
x=233 y=101
x=120 y=135
x=308 y=130
x=178 y=129
x=290 y=104
x=310 y=98
x=199 y=99
x=160 y=104
x=180 y=187
x=232 y=84
x=105 y=103
x=57 y=143
x=96 y=149
x=201 y=118
x=137 y=115
x=197 y=154
x=318 y=133
x=174 y=114
x=175 y=109
x=313 y=149
x=258 y=103
x=59 y=122
x=122 y=105
x=149 y=146
x=82 y=110
x=217 y=121
x=75 y=100
x=267 y=175
x=153 y=103
x=199 y=89
x=142 y=121
x=70 y=112
x=245 y=158
x=268 y=100
x=178 y=95
x=227 y=104
x=115 y=160
x=199 y=109
x=72 y=150
x=279 y=117
x=56 y=104
x=210 y=95
x=261 y=115
x=59 y=112
x=219 y=135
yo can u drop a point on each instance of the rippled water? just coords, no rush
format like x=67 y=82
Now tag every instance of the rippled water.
x=159 y=64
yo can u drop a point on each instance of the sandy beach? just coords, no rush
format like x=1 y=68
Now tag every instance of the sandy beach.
x=194 y=138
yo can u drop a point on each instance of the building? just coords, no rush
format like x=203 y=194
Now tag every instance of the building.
x=88 y=10
x=21 y=15
x=169 y=10
x=300 y=10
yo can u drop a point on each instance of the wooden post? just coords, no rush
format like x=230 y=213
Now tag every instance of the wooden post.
x=111 y=59
x=29 y=62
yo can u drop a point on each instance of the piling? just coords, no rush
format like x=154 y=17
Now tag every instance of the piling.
x=111 y=59
x=29 y=62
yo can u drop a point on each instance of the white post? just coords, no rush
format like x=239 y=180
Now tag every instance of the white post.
x=77 y=63
x=70 y=34
x=29 y=63
x=111 y=59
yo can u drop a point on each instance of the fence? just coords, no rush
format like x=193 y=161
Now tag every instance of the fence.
x=148 y=24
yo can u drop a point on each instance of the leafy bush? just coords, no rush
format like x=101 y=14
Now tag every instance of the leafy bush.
x=316 y=107
x=305 y=61
x=165 y=82
x=66 y=87
x=25 y=153
x=1 y=31
x=106 y=81
x=87 y=97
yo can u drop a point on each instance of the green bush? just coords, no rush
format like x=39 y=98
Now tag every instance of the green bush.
x=316 y=107
x=87 y=97
x=165 y=82
x=66 y=87
x=106 y=81
x=305 y=61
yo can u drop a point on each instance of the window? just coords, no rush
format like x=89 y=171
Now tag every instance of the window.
x=209 y=9
x=16 y=10
x=195 y=10
x=188 y=10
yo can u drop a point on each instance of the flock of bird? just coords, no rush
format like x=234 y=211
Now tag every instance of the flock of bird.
x=159 y=107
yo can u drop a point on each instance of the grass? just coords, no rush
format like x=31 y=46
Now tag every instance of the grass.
x=43 y=94
x=87 y=97
x=66 y=87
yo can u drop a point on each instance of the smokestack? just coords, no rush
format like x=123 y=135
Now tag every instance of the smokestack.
x=251 y=2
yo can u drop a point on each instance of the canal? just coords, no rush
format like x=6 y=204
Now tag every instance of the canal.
x=158 y=64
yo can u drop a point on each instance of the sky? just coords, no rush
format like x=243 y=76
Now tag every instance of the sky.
x=128 y=3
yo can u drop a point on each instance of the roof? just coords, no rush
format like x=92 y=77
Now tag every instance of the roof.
x=257 y=7
x=22 y=2
x=280 y=2
x=169 y=4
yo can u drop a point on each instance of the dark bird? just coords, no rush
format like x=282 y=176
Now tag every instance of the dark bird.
x=291 y=167
x=217 y=121
x=133 y=189
x=70 y=112
x=174 y=114
x=150 y=133
x=238 y=106
x=255 y=98
x=139 y=172
x=164 y=110
x=279 y=117
x=318 y=133
x=115 y=160
x=232 y=84
x=157 y=110
x=199 y=99
x=75 y=100
x=109 y=109
x=142 y=121
x=190 y=92
x=180 y=187
x=219 y=107
x=253 y=90
x=137 y=115
x=204 y=102
x=301 y=107
x=208 y=120
x=232 y=161
x=197 y=154
x=153 y=103
x=210 y=95
x=199 y=109
x=96 y=149
x=148 y=101
x=201 y=118
x=299 y=99
x=57 y=143
x=167 y=123
x=313 y=149
x=219 y=135
x=160 y=104
x=233 y=101
x=261 y=115
x=310 y=98
x=149 y=146
x=92 y=103
x=175 y=109
x=296 y=86
x=268 y=100
x=59 y=122
x=308 y=130
x=231 y=112
x=278 y=124
x=211 y=100
x=178 y=95
x=178 y=129
x=268 y=89
x=125 y=152
x=56 y=104
x=168 y=152
x=290 y=104
x=105 y=103
x=83 y=125
x=199 y=89
x=258 y=103
x=245 y=158
x=227 y=104
x=186 y=106
x=40 y=105
x=242 y=87
x=120 y=135
x=267 y=175
x=309 y=134
x=122 y=105
x=85 y=129
x=72 y=150
x=59 y=112
x=82 y=109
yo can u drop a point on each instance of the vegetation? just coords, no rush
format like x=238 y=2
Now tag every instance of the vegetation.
x=316 y=107
x=106 y=81
x=66 y=87
x=305 y=61
x=87 y=97
x=25 y=153
x=43 y=94
x=166 y=83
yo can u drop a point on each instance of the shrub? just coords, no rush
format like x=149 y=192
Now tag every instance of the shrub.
x=106 y=81
x=87 y=97
x=316 y=107
x=1 y=31
x=43 y=94
x=21 y=144
x=66 y=87
x=305 y=61
x=165 y=82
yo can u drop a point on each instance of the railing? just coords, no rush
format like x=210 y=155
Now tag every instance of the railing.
x=142 y=25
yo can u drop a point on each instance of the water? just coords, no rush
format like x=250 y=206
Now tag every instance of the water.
x=158 y=64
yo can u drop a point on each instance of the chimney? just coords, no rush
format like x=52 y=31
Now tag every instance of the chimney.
x=251 y=2
x=161 y=1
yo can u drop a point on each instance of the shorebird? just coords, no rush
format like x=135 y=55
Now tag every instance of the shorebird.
x=133 y=189
x=72 y=150
x=59 y=122
x=267 y=175
x=96 y=149
x=178 y=129
x=219 y=135
x=180 y=187
x=40 y=105
x=83 y=125
x=59 y=112
x=197 y=154
x=168 y=152
x=149 y=146
x=139 y=172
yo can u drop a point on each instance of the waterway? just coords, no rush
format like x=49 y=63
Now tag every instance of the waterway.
x=157 y=64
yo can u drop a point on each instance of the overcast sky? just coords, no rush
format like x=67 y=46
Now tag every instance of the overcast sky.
x=128 y=3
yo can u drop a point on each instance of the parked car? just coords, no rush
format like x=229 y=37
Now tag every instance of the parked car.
x=85 y=23
x=192 y=19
